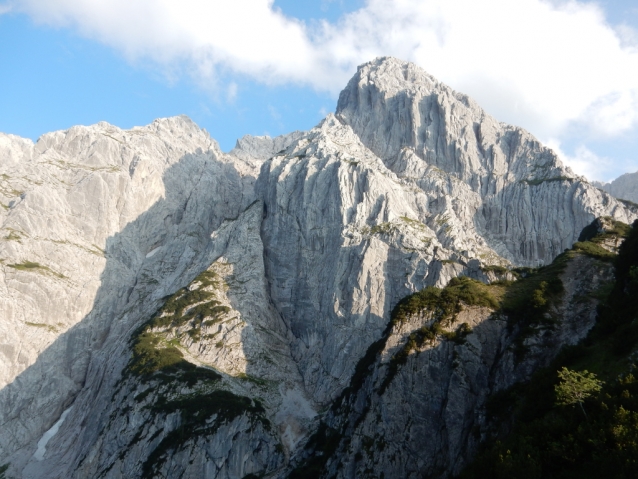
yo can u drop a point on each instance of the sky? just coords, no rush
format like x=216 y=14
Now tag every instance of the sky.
x=565 y=70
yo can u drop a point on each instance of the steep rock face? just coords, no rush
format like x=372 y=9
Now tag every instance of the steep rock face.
x=263 y=147
x=345 y=239
x=96 y=211
x=425 y=416
x=141 y=426
x=399 y=110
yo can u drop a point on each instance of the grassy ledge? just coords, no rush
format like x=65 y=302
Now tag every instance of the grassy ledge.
x=443 y=306
x=158 y=360
x=36 y=268
x=154 y=354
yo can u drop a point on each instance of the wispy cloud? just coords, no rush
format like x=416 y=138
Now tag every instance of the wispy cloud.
x=547 y=65
x=4 y=9
x=592 y=166
x=231 y=92
x=325 y=4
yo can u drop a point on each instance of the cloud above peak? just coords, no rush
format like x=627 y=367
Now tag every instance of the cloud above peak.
x=548 y=66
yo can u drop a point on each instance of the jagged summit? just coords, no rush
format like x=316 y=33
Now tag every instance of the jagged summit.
x=393 y=75
x=263 y=147
x=395 y=105
x=419 y=126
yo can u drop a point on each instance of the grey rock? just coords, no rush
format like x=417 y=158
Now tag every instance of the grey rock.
x=625 y=187
x=89 y=207
x=396 y=108
x=431 y=417
x=263 y=147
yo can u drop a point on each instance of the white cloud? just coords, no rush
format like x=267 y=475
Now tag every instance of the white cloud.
x=231 y=92
x=544 y=65
x=594 y=167
x=4 y=9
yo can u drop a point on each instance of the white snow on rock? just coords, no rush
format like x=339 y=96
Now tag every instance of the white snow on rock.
x=42 y=443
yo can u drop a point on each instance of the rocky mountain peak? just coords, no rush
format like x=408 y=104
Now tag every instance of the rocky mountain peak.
x=396 y=106
x=205 y=313
x=263 y=147
x=392 y=75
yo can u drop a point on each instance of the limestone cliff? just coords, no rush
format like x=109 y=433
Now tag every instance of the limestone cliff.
x=195 y=313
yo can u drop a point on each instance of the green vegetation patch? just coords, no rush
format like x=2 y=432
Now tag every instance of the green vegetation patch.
x=153 y=354
x=65 y=165
x=591 y=248
x=3 y=470
x=13 y=236
x=380 y=229
x=443 y=220
x=26 y=265
x=413 y=223
x=528 y=302
x=618 y=229
x=42 y=325
x=94 y=250
x=577 y=418
x=446 y=303
x=554 y=441
x=192 y=306
x=153 y=358
x=35 y=267
x=493 y=268
x=538 y=181
x=9 y=191
x=443 y=305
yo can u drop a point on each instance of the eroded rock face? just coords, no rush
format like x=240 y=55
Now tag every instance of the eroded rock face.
x=312 y=239
x=100 y=220
x=412 y=122
x=427 y=417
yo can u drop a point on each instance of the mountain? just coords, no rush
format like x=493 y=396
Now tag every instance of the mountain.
x=171 y=310
x=624 y=187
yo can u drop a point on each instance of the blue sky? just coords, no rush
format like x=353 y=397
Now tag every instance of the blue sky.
x=52 y=79
x=565 y=70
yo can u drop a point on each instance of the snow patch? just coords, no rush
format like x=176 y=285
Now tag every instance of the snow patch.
x=152 y=252
x=42 y=443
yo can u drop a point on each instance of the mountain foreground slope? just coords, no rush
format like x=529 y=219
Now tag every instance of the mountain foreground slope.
x=170 y=310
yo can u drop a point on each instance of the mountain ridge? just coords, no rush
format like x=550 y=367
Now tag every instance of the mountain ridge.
x=624 y=187
x=313 y=238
